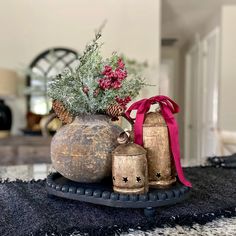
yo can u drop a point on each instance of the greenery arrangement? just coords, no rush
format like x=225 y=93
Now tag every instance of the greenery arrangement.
x=95 y=84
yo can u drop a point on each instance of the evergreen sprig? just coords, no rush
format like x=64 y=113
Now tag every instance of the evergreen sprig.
x=80 y=89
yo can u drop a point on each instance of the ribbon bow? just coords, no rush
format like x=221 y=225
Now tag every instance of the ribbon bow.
x=168 y=108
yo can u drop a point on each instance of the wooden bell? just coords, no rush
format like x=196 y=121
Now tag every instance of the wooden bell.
x=129 y=167
x=161 y=170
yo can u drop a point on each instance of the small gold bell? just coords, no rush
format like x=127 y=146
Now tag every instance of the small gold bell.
x=129 y=167
x=156 y=141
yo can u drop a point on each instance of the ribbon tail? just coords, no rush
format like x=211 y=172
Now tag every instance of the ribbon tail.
x=138 y=129
x=174 y=144
x=138 y=126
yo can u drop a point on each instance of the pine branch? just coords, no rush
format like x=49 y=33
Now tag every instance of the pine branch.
x=79 y=89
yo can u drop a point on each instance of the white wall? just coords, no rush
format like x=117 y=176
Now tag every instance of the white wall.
x=227 y=110
x=172 y=54
x=28 y=27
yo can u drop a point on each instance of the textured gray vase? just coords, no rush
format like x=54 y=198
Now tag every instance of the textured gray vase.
x=82 y=151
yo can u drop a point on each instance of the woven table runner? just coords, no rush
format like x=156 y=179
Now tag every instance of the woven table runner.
x=25 y=208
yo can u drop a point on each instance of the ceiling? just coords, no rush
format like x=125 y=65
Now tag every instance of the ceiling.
x=182 y=18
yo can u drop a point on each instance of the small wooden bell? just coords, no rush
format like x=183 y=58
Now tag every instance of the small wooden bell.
x=129 y=167
x=161 y=168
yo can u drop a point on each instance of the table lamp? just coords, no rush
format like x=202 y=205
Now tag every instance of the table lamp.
x=8 y=89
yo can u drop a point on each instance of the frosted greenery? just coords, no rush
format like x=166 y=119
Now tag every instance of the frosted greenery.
x=79 y=90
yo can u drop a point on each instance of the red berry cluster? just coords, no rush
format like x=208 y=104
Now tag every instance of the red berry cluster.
x=113 y=78
x=123 y=102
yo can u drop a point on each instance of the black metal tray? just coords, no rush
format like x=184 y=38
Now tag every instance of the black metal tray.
x=103 y=194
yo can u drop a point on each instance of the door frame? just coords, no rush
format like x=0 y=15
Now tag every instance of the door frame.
x=202 y=95
x=215 y=90
x=187 y=120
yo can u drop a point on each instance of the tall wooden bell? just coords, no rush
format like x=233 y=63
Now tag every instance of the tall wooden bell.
x=161 y=168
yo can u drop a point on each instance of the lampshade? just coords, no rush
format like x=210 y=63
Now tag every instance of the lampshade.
x=8 y=83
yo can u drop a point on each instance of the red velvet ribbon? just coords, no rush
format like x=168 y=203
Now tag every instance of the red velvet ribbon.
x=168 y=108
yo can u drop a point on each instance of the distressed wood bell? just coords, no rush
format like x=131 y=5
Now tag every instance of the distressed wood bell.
x=129 y=167
x=157 y=132
x=161 y=169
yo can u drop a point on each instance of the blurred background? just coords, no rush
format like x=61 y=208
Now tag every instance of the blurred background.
x=187 y=47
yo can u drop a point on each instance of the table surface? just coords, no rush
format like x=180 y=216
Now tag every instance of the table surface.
x=222 y=226
x=25 y=172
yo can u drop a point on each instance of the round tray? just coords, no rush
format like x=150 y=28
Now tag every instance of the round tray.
x=103 y=194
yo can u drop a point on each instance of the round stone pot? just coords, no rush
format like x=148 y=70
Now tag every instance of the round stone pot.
x=82 y=151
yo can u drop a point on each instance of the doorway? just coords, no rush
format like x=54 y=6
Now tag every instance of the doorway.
x=201 y=99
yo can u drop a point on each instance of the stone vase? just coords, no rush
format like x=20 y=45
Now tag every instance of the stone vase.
x=82 y=151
